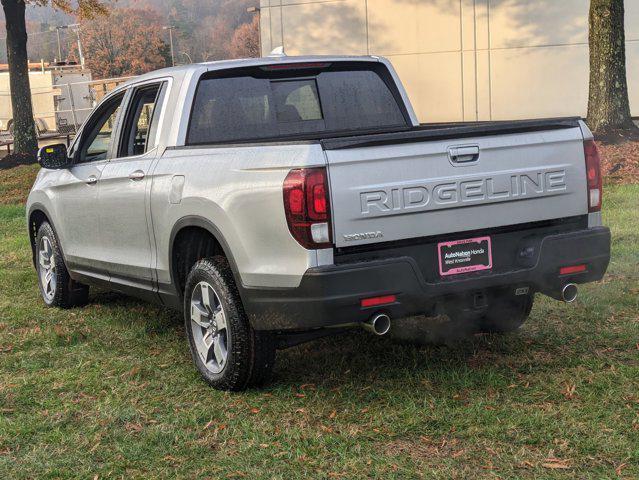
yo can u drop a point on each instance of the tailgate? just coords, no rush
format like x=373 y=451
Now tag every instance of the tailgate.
x=393 y=191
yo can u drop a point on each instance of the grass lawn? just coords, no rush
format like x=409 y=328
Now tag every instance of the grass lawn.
x=109 y=390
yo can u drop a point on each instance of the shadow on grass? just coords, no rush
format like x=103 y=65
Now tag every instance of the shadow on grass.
x=355 y=358
x=360 y=360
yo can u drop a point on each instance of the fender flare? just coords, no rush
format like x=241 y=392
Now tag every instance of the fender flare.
x=204 y=223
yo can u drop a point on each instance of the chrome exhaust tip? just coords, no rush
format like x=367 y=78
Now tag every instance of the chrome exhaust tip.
x=378 y=324
x=569 y=293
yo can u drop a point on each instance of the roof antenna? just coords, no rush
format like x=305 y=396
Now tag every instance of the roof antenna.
x=277 y=52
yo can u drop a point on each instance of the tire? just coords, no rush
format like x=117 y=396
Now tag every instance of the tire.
x=57 y=287
x=227 y=352
x=507 y=313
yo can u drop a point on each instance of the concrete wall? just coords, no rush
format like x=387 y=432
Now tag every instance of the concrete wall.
x=460 y=59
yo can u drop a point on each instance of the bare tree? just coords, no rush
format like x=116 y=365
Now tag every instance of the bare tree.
x=608 y=103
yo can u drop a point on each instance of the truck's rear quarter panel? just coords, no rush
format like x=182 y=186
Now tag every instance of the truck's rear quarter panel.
x=238 y=189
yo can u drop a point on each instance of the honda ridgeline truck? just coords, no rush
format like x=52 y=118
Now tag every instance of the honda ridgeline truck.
x=277 y=200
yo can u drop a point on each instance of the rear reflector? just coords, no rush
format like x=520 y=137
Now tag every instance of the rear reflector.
x=593 y=176
x=572 y=269
x=377 y=301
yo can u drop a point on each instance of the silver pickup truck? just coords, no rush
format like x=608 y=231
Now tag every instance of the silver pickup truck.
x=278 y=200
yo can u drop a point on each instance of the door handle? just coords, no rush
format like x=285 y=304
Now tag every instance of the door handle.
x=137 y=175
x=466 y=154
x=91 y=180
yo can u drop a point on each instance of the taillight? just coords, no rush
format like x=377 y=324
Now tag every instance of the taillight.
x=307 y=207
x=593 y=175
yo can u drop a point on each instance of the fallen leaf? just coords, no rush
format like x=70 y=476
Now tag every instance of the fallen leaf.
x=569 y=390
x=620 y=468
x=556 y=464
x=208 y=425
x=133 y=427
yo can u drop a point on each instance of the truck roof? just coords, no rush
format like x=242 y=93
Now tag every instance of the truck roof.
x=182 y=70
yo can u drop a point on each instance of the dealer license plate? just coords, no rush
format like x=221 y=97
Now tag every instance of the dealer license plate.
x=463 y=256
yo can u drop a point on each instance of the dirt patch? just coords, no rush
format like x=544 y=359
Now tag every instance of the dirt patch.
x=616 y=137
x=17 y=159
x=424 y=448
x=620 y=161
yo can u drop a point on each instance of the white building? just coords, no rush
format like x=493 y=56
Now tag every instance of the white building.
x=460 y=59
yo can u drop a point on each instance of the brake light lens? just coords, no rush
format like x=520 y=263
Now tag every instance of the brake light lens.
x=593 y=175
x=296 y=66
x=307 y=207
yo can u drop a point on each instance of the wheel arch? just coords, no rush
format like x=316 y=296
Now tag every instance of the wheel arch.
x=38 y=214
x=188 y=243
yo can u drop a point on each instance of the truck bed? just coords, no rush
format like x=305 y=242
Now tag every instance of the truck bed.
x=452 y=130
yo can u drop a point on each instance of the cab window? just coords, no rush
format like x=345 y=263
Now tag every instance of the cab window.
x=100 y=130
x=140 y=127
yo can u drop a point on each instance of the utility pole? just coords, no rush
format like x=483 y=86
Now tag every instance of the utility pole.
x=57 y=31
x=76 y=29
x=170 y=29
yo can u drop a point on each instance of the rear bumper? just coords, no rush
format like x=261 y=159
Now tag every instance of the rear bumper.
x=330 y=296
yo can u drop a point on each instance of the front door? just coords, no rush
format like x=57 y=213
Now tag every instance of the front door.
x=124 y=193
x=77 y=190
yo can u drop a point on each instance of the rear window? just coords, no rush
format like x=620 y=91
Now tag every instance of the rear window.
x=259 y=104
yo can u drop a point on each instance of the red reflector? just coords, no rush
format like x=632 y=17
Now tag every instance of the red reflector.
x=572 y=269
x=376 y=301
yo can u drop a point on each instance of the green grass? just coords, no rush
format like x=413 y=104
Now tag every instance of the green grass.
x=109 y=391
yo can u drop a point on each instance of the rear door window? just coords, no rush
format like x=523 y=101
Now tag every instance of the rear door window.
x=141 y=120
x=258 y=104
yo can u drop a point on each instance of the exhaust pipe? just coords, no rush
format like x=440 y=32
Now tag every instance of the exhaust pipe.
x=569 y=293
x=378 y=324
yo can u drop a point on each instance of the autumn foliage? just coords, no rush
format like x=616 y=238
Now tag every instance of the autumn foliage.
x=125 y=42
x=245 y=41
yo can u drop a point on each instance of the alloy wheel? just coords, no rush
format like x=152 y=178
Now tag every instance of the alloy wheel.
x=210 y=331
x=47 y=273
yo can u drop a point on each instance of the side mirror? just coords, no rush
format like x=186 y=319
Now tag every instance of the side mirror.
x=54 y=156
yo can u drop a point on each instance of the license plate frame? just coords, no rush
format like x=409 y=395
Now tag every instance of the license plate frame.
x=465 y=256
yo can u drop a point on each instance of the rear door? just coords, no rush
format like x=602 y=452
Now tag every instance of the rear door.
x=124 y=190
x=407 y=190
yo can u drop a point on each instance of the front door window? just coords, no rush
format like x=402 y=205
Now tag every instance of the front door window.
x=96 y=144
